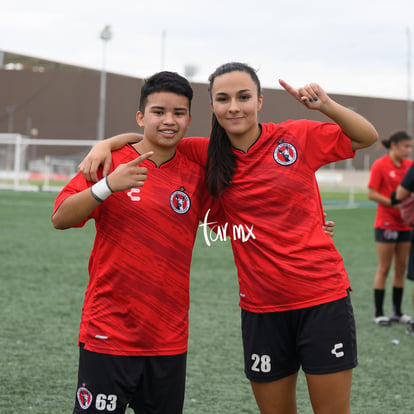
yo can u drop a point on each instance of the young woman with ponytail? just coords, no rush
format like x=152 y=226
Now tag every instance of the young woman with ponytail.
x=294 y=290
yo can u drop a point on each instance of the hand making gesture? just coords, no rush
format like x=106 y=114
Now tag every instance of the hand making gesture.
x=311 y=95
x=361 y=132
x=129 y=175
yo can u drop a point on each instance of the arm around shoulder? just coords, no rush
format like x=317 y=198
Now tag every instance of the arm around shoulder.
x=100 y=154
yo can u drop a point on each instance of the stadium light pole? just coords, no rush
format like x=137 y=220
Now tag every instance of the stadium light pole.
x=163 y=37
x=106 y=36
x=409 y=101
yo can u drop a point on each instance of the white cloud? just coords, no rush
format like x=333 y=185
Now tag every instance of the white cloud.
x=355 y=47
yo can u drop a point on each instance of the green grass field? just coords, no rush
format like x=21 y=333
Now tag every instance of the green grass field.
x=44 y=275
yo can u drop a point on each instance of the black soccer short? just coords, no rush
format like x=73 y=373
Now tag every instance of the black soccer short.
x=320 y=339
x=391 y=236
x=147 y=384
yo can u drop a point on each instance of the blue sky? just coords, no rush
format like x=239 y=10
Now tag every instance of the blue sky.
x=360 y=48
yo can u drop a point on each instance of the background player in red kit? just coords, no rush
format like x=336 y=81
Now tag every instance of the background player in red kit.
x=296 y=309
x=392 y=235
x=134 y=327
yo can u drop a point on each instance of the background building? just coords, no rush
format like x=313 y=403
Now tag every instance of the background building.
x=50 y=100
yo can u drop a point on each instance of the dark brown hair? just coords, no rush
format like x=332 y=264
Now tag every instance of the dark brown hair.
x=221 y=160
x=395 y=138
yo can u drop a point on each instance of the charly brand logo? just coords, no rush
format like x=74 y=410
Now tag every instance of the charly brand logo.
x=336 y=350
x=180 y=201
x=215 y=231
x=133 y=194
x=285 y=153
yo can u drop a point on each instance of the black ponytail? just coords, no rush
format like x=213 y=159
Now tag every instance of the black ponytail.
x=221 y=161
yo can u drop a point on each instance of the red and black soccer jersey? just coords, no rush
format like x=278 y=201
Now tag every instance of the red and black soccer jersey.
x=284 y=258
x=137 y=298
x=385 y=177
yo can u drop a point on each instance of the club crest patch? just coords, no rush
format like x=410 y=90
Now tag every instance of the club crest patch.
x=180 y=201
x=390 y=234
x=84 y=397
x=285 y=153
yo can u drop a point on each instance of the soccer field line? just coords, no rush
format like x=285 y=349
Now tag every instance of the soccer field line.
x=343 y=205
x=25 y=203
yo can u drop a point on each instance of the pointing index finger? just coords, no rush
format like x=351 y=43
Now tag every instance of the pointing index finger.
x=141 y=158
x=289 y=88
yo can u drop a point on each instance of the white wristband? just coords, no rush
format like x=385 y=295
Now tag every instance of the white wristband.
x=101 y=190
